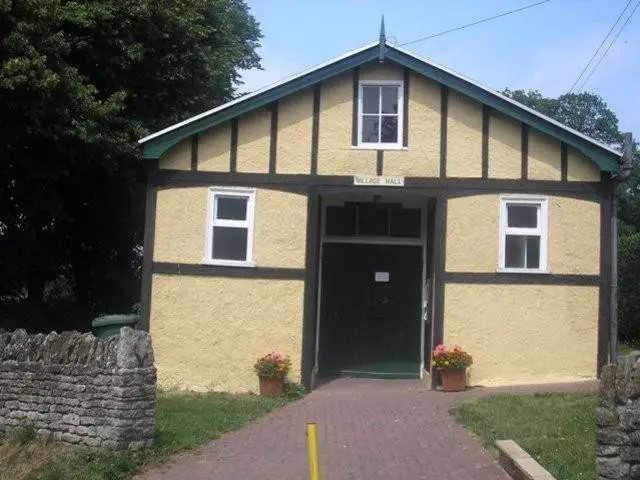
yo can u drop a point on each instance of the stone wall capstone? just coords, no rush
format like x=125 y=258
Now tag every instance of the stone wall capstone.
x=618 y=420
x=78 y=388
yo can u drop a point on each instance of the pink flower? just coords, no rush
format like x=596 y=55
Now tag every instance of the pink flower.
x=276 y=355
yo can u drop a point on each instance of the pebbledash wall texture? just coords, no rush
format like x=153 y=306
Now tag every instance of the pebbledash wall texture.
x=618 y=420
x=79 y=389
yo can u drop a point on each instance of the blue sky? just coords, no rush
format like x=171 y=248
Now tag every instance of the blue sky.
x=543 y=48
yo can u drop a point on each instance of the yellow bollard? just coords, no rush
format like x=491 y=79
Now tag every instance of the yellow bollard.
x=312 y=451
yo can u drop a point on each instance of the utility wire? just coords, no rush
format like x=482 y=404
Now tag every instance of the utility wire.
x=604 y=40
x=595 y=67
x=477 y=22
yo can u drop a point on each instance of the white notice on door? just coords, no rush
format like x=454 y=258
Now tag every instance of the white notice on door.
x=382 y=276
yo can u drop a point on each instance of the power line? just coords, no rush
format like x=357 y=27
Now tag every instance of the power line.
x=595 y=67
x=604 y=40
x=461 y=27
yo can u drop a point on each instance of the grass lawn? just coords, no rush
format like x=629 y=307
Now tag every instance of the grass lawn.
x=558 y=430
x=184 y=421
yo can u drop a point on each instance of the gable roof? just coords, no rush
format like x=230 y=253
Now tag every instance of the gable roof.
x=157 y=143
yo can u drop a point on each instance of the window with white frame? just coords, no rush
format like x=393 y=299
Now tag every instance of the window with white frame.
x=380 y=119
x=523 y=234
x=230 y=227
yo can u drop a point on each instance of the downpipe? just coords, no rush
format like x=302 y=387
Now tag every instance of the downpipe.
x=626 y=167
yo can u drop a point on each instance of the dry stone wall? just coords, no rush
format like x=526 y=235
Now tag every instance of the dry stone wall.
x=618 y=420
x=79 y=389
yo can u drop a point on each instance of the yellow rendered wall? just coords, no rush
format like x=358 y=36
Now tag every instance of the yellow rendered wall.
x=464 y=136
x=544 y=157
x=472 y=234
x=178 y=157
x=214 y=149
x=295 y=123
x=580 y=168
x=208 y=331
x=505 y=147
x=524 y=333
x=574 y=236
x=381 y=72
x=335 y=153
x=279 y=230
x=422 y=158
x=254 y=140
x=180 y=225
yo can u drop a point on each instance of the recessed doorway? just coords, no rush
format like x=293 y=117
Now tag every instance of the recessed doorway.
x=373 y=298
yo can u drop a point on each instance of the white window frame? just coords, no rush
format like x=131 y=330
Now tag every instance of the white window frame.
x=541 y=230
x=382 y=83
x=248 y=223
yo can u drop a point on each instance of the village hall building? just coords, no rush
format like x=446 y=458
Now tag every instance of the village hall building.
x=358 y=214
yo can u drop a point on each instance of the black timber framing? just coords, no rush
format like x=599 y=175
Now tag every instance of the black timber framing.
x=311 y=280
x=273 y=144
x=438 y=258
x=444 y=113
x=233 y=148
x=405 y=107
x=604 y=321
x=194 y=152
x=354 y=112
x=451 y=187
x=486 y=118
x=148 y=246
x=203 y=270
x=379 y=162
x=506 y=278
x=524 y=140
x=564 y=162
x=315 y=128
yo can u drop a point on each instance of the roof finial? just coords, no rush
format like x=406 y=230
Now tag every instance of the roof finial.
x=382 y=41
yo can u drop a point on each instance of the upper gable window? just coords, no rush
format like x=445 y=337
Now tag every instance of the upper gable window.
x=380 y=119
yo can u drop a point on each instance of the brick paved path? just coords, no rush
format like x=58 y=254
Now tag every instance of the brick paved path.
x=367 y=429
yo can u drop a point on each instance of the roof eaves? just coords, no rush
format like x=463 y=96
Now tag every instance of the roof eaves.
x=252 y=95
x=511 y=101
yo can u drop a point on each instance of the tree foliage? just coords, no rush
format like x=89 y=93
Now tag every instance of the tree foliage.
x=585 y=112
x=80 y=82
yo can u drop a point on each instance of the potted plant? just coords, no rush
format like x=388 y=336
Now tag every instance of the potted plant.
x=272 y=370
x=452 y=365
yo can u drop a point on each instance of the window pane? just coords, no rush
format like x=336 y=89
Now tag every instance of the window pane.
x=229 y=243
x=370 y=99
x=405 y=222
x=370 y=129
x=522 y=251
x=389 y=99
x=373 y=220
x=389 y=129
x=231 y=208
x=341 y=220
x=533 y=251
x=514 y=256
x=523 y=216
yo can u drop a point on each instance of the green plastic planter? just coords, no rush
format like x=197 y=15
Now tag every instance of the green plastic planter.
x=109 y=325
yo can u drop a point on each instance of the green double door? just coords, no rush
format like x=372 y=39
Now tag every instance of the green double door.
x=370 y=312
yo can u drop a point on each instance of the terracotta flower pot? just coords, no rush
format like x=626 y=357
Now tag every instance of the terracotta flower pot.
x=453 y=380
x=270 y=387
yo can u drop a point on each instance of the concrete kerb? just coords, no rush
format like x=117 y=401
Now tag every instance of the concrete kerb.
x=518 y=463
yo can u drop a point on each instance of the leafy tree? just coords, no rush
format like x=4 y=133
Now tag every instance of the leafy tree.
x=80 y=82
x=586 y=112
